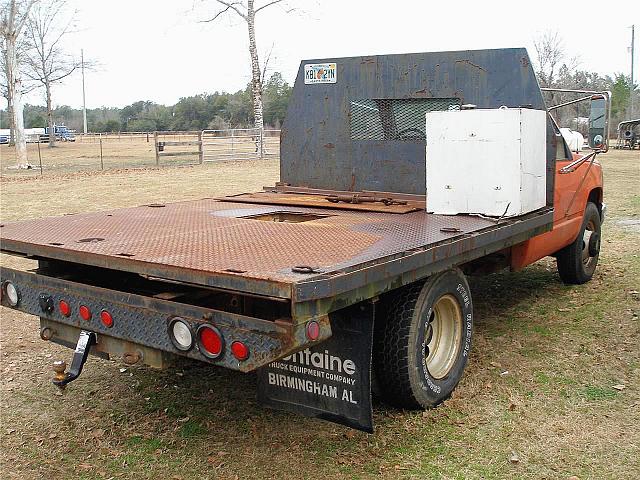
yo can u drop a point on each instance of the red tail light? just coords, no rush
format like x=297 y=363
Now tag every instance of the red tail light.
x=313 y=330
x=240 y=350
x=210 y=341
x=85 y=312
x=106 y=319
x=65 y=308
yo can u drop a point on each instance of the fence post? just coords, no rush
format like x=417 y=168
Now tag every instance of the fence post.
x=200 y=149
x=40 y=157
x=101 y=161
x=261 y=142
x=155 y=142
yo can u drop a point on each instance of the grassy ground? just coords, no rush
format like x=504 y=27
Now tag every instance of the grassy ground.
x=552 y=389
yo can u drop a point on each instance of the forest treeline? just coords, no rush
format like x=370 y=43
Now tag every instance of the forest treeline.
x=218 y=110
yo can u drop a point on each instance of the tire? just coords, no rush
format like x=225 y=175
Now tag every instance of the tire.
x=577 y=262
x=423 y=343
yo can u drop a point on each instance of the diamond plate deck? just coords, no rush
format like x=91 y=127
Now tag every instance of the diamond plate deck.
x=197 y=240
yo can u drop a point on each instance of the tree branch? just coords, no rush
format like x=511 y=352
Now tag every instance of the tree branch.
x=72 y=69
x=273 y=2
x=230 y=6
x=20 y=23
x=266 y=64
x=215 y=16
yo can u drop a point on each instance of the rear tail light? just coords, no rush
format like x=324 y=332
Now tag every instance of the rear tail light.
x=12 y=293
x=240 y=350
x=313 y=330
x=65 y=308
x=210 y=341
x=180 y=334
x=85 y=313
x=106 y=319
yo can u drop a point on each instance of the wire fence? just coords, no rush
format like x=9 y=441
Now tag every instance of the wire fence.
x=126 y=150
x=239 y=143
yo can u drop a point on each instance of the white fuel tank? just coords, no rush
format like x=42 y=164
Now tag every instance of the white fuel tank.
x=489 y=162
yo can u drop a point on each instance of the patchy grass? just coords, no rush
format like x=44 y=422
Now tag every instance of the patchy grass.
x=537 y=400
x=598 y=393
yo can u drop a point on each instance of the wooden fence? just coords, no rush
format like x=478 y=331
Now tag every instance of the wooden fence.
x=161 y=145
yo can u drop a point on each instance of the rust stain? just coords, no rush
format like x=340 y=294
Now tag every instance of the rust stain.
x=329 y=145
x=472 y=64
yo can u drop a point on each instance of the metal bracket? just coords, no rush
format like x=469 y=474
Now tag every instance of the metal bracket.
x=573 y=166
x=85 y=341
x=358 y=198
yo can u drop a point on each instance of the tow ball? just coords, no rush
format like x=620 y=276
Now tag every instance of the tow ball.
x=85 y=341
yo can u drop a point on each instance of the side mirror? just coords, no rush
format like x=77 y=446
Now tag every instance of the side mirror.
x=598 y=123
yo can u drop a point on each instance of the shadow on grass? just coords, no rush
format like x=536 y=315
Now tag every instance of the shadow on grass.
x=211 y=400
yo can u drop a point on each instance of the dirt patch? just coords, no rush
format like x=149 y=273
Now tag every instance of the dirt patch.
x=631 y=224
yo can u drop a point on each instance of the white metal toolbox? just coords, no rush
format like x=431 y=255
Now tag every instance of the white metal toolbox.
x=489 y=162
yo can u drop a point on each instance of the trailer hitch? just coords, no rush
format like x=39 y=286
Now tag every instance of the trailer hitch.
x=85 y=341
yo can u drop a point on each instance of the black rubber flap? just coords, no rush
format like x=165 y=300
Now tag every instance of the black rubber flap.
x=330 y=381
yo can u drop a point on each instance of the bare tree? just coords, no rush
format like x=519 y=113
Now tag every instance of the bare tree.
x=14 y=17
x=248 y=11
x=551 y=56
x=27 y=86
x=46 y=62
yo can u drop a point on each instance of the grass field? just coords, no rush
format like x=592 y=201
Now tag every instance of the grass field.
x=552 y=389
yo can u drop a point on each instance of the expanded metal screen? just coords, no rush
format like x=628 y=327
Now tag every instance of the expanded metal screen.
x=395 y=119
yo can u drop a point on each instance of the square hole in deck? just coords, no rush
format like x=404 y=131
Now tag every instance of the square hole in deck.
x=286 y=217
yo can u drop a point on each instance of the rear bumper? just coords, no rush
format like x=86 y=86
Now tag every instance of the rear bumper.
x=141 y=320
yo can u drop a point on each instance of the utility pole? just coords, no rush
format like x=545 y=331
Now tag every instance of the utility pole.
x=631 y=110
x=84 y=102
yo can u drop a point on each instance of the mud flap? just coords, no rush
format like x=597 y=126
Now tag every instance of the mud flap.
x=330 y=381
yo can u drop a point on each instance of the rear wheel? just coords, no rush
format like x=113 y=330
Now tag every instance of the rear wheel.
x=577 y=262
x=423 y=344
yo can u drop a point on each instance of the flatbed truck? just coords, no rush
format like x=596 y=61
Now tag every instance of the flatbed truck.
x=337 y=277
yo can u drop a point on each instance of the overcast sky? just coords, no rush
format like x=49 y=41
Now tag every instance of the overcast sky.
x=157 y=50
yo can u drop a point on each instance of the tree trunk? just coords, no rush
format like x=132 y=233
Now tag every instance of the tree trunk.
x=14 y=86
x=12 y=127
x=52 y=133
x=256 y=80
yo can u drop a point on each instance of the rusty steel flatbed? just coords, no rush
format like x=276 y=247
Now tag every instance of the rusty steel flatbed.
x=223 y=245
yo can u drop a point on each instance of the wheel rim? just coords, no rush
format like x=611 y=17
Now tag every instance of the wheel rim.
x=588 y=260
x=443 y=336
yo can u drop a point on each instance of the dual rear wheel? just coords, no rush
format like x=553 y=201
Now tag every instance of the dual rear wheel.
x=423 y=343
